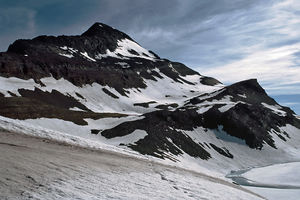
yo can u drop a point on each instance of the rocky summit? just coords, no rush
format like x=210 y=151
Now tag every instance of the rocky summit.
x=102 y=86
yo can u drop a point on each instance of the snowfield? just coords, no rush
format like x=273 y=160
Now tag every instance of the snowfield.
x=33 y=168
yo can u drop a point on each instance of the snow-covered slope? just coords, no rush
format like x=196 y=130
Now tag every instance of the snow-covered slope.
x=32 y=168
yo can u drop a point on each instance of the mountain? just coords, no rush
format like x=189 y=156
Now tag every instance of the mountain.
x=103 y=88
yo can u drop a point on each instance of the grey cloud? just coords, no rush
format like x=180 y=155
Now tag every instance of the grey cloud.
x=134 y=16
x=19 y=25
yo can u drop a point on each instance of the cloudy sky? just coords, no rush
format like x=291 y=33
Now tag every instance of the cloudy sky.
x=231 y=40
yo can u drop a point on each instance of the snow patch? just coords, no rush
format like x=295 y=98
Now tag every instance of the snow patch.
x=66 y=55
x=192 y=78
x=242 y=95
x=213 y=93
x=171 y=66
x=275 y=109
x=85 y=54
x=12 y=84
x=123 y=64
x=203 y=109
x=69 y=49
x=125 y=49
x=64 y=48
x=77 y=109
x=225 y=101
x=227 y=107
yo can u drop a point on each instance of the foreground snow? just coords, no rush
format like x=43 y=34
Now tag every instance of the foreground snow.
x=32 y=168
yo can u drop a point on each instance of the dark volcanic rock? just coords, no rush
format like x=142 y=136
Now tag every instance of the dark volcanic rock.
x=110 y=93
x=223 y=151
x=249 y=119
x=54 y=98
x=209 y=81
x=30 y=108
x=95 y=131
x=182 y=69
x=145 y=105
x=162 y=136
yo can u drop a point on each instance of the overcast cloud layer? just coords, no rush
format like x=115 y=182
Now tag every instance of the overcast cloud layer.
x=231 y=40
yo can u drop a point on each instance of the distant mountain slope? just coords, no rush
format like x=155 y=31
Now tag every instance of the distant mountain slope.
x=103 y=86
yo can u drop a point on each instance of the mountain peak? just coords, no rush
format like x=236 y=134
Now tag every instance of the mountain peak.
x=96 y=29
x=96 y=41
x=104 y=31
